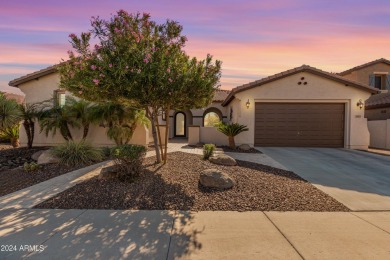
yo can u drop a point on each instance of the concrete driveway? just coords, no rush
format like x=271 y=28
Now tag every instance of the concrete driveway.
x=359 y=180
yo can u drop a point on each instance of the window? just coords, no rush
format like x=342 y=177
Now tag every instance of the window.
x=378 y=82
x=59 y=97
x=211 y=119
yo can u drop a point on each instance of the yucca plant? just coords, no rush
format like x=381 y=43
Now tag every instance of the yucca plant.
x=11 y=134
x=231 y=130
x=74 y=153
x=10 y=113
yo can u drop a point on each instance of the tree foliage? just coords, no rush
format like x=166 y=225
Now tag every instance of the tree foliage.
x=141 y=63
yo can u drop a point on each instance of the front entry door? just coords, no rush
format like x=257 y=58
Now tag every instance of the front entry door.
x=180 y=124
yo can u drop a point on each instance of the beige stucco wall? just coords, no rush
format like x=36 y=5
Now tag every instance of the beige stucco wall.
x=318 y=89
x=210 y=135
x=42 y=89
x=379 y=133
x=362 y=75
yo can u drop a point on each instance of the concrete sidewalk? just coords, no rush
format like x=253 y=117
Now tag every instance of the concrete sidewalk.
x=108 y=234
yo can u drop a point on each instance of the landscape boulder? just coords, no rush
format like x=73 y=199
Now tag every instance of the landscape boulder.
x=108 y=173
x=245 y=147
x=36 y=155
x=213 y=178
x=47 y=157
x=223 y=159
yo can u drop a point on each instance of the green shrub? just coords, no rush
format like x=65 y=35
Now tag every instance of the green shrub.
x=73 y=153
x=106 y=152
x=231 y=130
x=128 y=161
x=31 y=167
x=208 y=150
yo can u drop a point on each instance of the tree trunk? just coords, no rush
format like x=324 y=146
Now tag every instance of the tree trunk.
x=85 y=131
x=26 y=126
x=15 y=142
x=166 y=135
x=159 y=137
x=232 y=144
x=154 y=133
x=32 y=131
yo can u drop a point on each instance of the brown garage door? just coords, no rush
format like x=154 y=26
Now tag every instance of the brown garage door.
x=299 y=124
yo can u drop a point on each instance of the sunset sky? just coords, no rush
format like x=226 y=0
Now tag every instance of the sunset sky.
x=252 y=38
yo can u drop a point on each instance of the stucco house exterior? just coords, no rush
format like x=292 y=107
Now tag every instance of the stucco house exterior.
x=303 y=107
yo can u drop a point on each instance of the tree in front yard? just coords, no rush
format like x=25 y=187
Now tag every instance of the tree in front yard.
x=141 y=64
x=231 y=130
x=29 y=114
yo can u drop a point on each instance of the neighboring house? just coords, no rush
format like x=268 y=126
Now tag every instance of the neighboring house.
x=303 y=107
x=376 y=74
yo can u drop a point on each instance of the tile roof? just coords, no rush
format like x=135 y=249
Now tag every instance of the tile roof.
x=381 y=60
x=303 y=68
x=378 y=101
x=220 y=95
x=34 y=75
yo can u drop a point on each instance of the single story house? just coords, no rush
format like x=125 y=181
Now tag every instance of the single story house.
x=303 y=107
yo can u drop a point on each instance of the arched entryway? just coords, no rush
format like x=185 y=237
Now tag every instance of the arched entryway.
x=180 y=125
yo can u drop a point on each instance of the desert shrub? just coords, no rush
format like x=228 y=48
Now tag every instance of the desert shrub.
x=73 y=153
x=208 y=150
x=106 y=152
x=30 y=167
x=128 y=161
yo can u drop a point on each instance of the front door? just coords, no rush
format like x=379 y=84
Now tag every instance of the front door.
x=180 y=124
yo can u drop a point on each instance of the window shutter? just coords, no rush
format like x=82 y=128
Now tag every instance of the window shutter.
x=388 y=82
x=371 y=81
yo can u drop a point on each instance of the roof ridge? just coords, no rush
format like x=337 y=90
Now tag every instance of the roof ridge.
x=364 y=65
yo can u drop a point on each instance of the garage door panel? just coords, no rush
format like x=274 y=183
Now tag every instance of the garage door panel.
x=299 y=124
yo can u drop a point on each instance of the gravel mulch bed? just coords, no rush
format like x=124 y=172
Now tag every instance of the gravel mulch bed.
x=238 y=150
x=17 y=179
x=175 y=186
x=13 y=157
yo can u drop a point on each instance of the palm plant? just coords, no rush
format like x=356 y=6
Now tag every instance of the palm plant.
x=29 y=114
x=231 y=130
x=11 y=134
x=10 y=115
x=120 y=119
x=55 y=117
x=80 y=110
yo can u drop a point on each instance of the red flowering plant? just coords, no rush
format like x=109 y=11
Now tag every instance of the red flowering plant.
x=141 y=63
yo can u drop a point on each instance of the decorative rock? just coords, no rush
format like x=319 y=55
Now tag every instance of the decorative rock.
x=46 y=157
x=36 y=155
x=223 y=159
x=108 y=173
x=213 y=178
x=245 y=147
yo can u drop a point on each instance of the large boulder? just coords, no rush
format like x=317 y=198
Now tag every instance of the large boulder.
x=36 y=155
x=47 y=157
x=223 y=159
x=245 y=147
x=213 y=178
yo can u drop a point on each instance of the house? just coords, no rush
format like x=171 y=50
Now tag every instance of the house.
x=376 y=74
x=304 y=107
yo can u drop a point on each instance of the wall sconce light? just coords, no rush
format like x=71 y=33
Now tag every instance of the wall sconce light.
x=360 y=104
x=248 y=104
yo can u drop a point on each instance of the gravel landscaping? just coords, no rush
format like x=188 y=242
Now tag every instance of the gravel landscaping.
x=238 y=150
x=13 y=157
x=175 y=186
x=17 y=179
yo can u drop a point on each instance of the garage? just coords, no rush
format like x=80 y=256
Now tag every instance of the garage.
x=299 y=124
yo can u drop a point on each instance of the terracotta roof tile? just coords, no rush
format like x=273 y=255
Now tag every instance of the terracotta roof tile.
x=378 y=101
x=34 y=75
x=220 y=95
x=381 y=60
x=303 y=68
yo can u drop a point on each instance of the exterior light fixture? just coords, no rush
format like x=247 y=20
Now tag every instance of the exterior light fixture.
x=360 y=104
x=248 y=104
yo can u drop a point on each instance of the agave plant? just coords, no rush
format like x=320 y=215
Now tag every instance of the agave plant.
x=10 y=113
x=231 y=130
